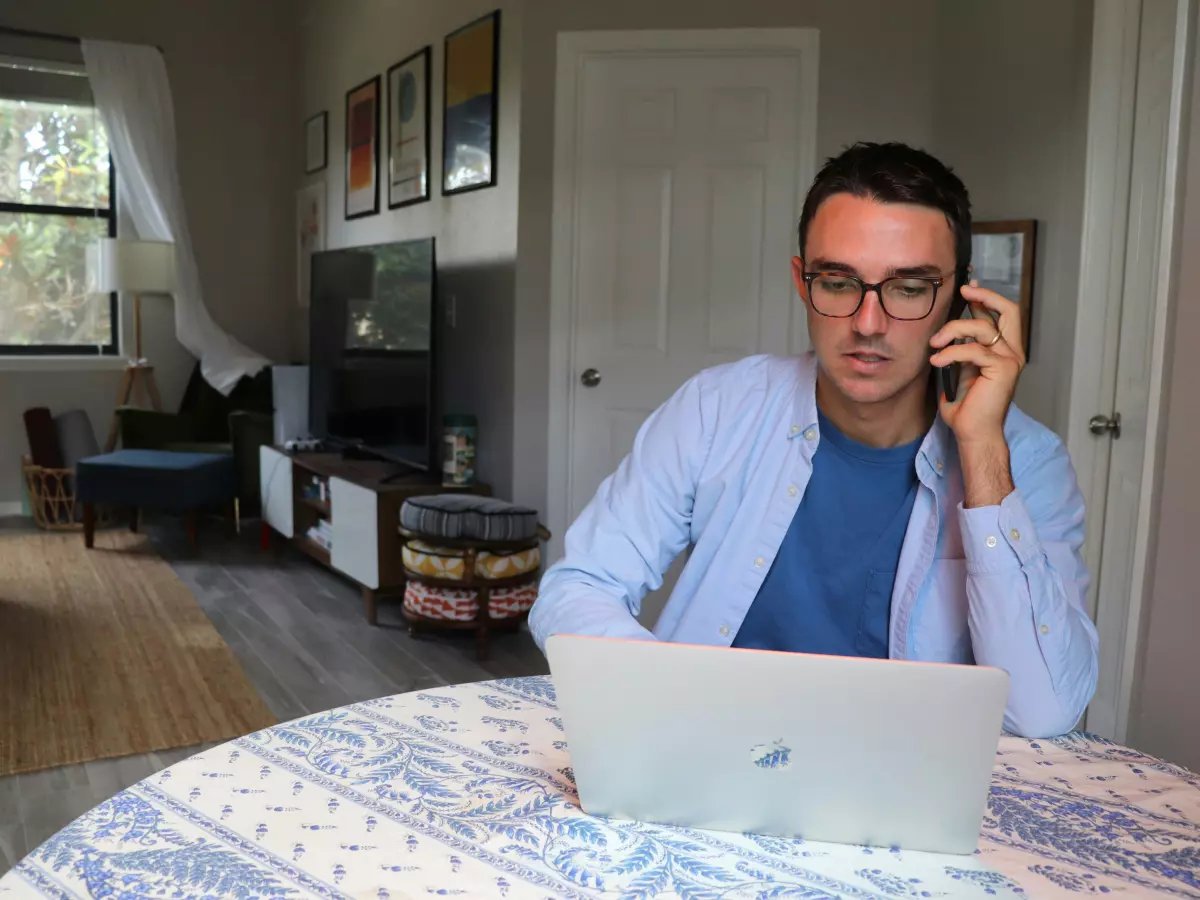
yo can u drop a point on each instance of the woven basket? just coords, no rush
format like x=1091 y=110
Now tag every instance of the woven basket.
x=52 y=498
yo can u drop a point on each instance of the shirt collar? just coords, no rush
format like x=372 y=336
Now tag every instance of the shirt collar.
x=934 y=449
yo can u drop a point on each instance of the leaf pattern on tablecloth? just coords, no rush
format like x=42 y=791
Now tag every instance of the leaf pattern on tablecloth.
x=469 y=791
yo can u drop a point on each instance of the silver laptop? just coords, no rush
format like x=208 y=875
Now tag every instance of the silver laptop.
x=827 y=748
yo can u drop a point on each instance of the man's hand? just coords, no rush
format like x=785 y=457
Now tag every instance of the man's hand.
x=986 y=386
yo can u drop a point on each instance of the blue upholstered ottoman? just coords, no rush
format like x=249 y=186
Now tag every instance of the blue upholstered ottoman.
x=159 y=479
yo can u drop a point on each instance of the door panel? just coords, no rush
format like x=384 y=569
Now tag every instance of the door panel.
x=686 y=204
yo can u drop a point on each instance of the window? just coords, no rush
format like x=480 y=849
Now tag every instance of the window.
x=57 y=189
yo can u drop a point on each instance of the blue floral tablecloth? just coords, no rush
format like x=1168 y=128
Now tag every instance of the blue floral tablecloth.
x=468 y=791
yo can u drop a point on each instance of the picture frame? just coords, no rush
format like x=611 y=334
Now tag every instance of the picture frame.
x=310 y=235
x=470 y=101
x=316 y=143
x=362 y=149
x=1003 y=257
x=408 y=102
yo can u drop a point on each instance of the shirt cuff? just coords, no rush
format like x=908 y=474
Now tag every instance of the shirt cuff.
x=998 y=538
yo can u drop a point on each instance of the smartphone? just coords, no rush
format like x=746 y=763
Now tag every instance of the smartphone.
x=950 y=374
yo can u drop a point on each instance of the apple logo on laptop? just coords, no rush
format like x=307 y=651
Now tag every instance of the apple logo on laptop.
x=771 y=756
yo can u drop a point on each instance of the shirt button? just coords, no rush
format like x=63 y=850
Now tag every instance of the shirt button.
x=795 y=429
x=938 y=465
x=792 y=490
x=758 y=562
x=810 y=434
x=1016 y=535
x=991 y=540
x=1045 y=629
x=724 y=631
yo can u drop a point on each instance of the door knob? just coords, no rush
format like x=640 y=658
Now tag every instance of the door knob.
x=1102 y=424
x=590 y=377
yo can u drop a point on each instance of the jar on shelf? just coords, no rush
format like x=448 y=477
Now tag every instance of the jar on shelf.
x=458 y=439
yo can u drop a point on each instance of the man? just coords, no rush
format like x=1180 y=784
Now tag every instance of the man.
x=838 y=502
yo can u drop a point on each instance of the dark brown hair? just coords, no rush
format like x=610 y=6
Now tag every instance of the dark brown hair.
x=894 y=173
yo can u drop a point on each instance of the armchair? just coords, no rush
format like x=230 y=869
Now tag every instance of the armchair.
x=209 y=422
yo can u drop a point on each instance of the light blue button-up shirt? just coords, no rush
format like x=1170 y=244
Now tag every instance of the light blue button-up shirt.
x=721 y=467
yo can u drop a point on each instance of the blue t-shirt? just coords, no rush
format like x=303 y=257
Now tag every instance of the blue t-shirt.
x=830 y=587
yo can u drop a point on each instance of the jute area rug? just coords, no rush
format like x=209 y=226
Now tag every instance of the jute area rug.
x=105 y=653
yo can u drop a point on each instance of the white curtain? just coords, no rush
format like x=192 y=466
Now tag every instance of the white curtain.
x=133 y=97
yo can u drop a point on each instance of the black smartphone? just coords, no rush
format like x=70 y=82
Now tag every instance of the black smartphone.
x=950 y=374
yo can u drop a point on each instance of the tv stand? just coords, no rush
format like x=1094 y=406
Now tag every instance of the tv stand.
x=362 y=505
x=404 y=475
x=355 y=451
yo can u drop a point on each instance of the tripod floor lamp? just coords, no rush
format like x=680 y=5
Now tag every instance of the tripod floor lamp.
x=138 y=268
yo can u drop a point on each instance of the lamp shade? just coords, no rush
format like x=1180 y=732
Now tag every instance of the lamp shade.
x=143 y=267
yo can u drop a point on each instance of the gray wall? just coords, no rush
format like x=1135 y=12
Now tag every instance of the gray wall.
x=873 y=86
x=233 y=68
x=1011 y=118
x=344 y=45
x=1165 y=716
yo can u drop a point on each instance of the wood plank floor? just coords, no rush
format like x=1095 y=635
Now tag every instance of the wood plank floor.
x=298 y=631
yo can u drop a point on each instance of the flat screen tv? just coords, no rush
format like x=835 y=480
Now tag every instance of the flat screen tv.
x=371 y=364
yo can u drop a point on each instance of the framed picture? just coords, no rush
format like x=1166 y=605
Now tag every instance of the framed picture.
x=362 y=150
x=316 y=143
x=472 y=84
x=1002 y=259
x=310 y=235
x=408 y=130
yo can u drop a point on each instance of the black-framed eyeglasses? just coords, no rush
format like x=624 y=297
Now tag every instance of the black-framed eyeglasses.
x=903 y=297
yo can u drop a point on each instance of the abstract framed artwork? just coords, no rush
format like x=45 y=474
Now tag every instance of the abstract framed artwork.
x=316 y=143
x=408 y=130
x=362 y=149
x=1002 y=260
x=469 y=100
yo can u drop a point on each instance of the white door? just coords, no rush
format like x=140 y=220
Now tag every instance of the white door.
x=1114 y=520
x=687 y=157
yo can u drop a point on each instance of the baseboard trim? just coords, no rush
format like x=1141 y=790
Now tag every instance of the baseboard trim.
x=11 y=508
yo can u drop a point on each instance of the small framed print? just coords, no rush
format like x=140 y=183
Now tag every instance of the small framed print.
x=362 y=150
x=1002 y=260
x=472 y=85
x=316 y=143
x=408 y=130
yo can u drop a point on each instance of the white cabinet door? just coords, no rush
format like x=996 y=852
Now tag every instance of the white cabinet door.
x=275 y=478
x=355 y=532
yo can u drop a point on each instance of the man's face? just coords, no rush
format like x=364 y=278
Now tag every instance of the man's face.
x=871 y=357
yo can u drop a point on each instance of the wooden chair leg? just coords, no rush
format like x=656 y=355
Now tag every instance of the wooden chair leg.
x=369 y=606
x=481 y=642
x=189 y=520
x=89 y=525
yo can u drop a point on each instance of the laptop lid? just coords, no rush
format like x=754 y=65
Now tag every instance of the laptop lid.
x=861 y=751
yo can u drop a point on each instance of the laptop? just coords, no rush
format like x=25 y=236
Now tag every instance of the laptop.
x=826 y=748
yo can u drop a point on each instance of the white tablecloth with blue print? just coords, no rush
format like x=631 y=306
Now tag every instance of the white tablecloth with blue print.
x=467 y=791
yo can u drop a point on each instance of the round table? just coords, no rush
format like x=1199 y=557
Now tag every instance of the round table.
x=468 y=791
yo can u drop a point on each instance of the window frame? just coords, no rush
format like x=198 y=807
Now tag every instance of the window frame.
x=80 y=351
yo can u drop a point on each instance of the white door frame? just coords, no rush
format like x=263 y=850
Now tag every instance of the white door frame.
x=575 y=48
x=1113 y=85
